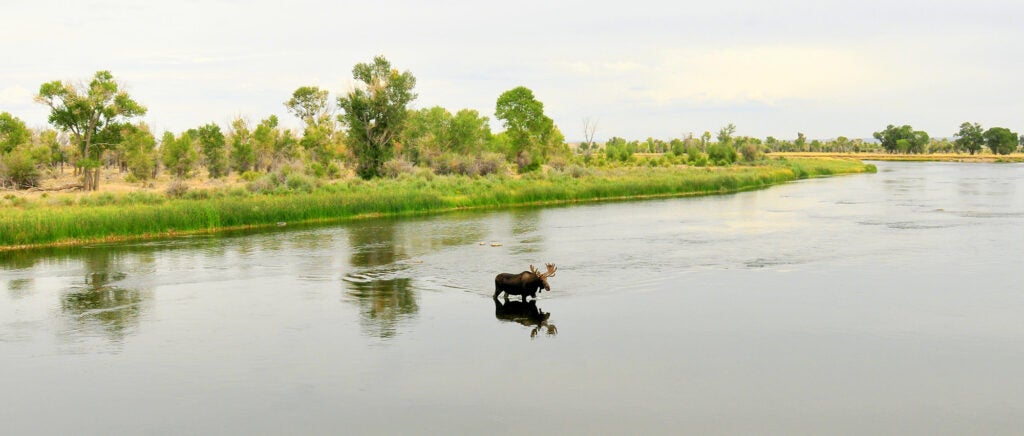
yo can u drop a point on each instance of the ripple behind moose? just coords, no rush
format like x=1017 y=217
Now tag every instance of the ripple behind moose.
x=526 y=283
x=526 y=313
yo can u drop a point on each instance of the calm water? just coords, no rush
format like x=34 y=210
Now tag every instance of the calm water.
x=886 y=303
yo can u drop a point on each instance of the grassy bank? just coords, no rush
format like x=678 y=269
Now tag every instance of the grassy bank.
x=930 y=157
x=56 y=221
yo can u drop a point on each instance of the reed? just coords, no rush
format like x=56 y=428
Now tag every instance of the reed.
x=137 y=216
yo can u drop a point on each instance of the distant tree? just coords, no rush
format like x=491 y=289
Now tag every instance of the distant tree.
x=725 y=134
x=179 y=154
x=90 y=113
x=243 y=153
x=13 y=132
x=531 y=132
x=969 y=137
x=589 y=129
x=801 y=142
x=212 y=143
x=140 y=152
x=375 y=112
x=309 y=104
x=312 y=105
x=1001 y=140
x=903 y=139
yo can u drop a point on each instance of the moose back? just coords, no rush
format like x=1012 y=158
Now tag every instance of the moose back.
x=526 y=283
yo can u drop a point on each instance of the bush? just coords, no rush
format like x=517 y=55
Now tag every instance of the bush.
x=721 y=154
x=250 y=176
x=19 y=169
x=177 y=189
x=751 y=152
x=396 y=167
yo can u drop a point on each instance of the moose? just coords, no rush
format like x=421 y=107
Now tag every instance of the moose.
x=526 y=283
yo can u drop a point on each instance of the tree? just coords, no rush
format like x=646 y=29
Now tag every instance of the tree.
x=140 y=152
x=212 y=143
x=969 y=137
x=903 y=139
x=179 y=155
x=12 y=133
x=725 y=134
x=375 y=112
x=92 y=114
x=530 y=131
x=309 y=104
x=1000 y=140
x=243 y=154
x=312 y=106
x=589 y=129
x=800 y=143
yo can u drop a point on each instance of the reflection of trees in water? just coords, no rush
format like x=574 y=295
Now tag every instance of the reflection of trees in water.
x=383 y=304
x=525 y=224
x=19 y=288
x=383 y=299
x=99 y=304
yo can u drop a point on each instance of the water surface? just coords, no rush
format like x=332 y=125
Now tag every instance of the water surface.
x=886 y=303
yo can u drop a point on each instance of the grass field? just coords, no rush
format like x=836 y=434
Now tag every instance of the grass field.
x=64 y=219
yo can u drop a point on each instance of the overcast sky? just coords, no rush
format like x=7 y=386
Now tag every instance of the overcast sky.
x=640 y=68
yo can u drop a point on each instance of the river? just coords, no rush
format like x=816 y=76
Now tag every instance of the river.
x=888 y=303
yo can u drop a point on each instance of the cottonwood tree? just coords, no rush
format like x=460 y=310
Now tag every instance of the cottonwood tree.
x=93 y=114
x=903 y=139
x=243 y=152
x=13 y=133
x=374 y=112
x=969 y=137
x=212 y=143
x=529 y=130
x=1000 y=140
x=312 y=105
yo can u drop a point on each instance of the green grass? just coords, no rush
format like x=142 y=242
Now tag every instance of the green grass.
x=109 y=217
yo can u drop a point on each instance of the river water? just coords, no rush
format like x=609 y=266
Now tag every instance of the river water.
x=887 y=303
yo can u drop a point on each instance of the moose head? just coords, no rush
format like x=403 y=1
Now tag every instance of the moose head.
x=543 y=276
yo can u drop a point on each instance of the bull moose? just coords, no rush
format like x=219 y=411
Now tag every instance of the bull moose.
x=526 y=283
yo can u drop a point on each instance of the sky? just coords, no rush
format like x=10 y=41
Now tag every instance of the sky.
x=638 y=69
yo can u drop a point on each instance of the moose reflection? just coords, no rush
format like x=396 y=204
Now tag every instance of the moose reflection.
x=526 y=283
x=526 y=313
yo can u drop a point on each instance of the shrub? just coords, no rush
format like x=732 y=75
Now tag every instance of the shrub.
x=177 y=189
x=19 y=169
x=396 y=167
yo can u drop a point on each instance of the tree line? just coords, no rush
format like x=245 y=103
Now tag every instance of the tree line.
x=372 y=131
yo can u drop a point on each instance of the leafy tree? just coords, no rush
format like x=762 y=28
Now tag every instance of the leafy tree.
x=1000 y=140
x=800 y=144
x=309 y=104
x=903 y=139
x=312 y=106
x=531 y=132
x=180 y=155
x=243 y=153
x=140 y=152
x=969 y=137
x=92 y=114
x=12 y=133
x=725 y=134
x=212 y=143
x=375 y=112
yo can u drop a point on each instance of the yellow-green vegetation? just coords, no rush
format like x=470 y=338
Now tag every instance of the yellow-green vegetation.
x=57 y=220
x=928 y=157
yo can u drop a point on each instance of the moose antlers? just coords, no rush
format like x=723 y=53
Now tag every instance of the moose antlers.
x=550 y=272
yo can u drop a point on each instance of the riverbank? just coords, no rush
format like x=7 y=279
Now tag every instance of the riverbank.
x=931 y=157
x=56 y=220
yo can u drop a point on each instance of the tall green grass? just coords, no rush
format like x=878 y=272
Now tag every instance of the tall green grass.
x=140 y=216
